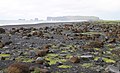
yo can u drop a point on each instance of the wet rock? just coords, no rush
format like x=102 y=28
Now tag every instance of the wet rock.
x=46 y=64
x=5 y=47
x=32 y=53
x=18 y=68
x=86 y=57
x=40 y=60
x=111 y=40
x=20 y=53
x=8 y=42
x=0 y=37
x=26 y=37
x=2 y=30
x=34 y=33
x=74 y=59
x=112 y=69
x=12 y=58
x=59 y=63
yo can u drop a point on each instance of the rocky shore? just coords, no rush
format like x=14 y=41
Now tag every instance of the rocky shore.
x=76 y=47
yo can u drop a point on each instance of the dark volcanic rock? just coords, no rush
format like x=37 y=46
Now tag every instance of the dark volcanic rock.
x=2 y=30
x=2 y=58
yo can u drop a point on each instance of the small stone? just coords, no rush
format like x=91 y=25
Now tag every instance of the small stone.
x=40 y=60
x=86 y=57
x=44 y=71
x=46 y=64
x=12 y=58
x=32 y=68
x=74 y=59
x=5 y=47
x=59 y=63
x=2 y=58
x=41 y=53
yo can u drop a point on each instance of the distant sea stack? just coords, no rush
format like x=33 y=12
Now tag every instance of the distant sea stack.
x=69 y=18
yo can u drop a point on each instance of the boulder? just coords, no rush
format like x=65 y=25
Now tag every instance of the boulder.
x=18 y=68
x=74 y=59
x=112 y=69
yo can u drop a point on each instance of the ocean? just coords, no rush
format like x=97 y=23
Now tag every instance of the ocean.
x=19 y=22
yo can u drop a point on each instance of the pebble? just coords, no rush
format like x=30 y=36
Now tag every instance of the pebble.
x=74 y=59
x=40 y=60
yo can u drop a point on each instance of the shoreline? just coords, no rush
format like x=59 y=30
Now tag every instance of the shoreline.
x=37 y=25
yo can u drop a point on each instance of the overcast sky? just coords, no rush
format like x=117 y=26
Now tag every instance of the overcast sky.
x=28 y=9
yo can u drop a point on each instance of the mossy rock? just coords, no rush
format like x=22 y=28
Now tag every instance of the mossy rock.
x=54 y=58
x=108 y=60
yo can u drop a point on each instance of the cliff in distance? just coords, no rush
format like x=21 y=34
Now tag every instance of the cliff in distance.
x=68 y=18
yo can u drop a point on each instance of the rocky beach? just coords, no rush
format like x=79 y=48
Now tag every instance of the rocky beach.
x=71 y=47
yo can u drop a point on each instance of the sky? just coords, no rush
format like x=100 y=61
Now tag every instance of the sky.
x=30 y=9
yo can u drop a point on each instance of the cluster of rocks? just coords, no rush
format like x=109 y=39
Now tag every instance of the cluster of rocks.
x=86 y=47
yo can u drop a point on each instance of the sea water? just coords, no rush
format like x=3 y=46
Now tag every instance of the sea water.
x=26 y=22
